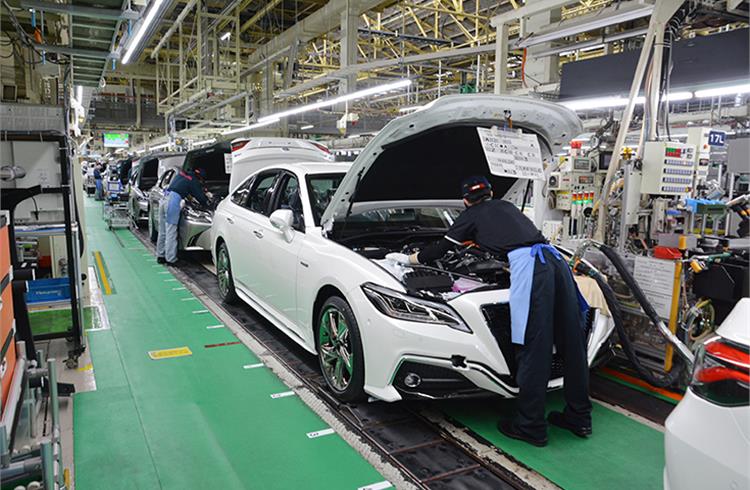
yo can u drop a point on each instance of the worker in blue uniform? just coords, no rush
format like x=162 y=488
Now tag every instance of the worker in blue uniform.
x=546 y=309
x=186 y=183
x=99 y=194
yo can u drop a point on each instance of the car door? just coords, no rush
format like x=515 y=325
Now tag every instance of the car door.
x=157 y=193
x=247 y=249
x=280 y=288
x=134 y=209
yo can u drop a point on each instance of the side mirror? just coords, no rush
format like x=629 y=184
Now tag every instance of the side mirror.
x=283 y=220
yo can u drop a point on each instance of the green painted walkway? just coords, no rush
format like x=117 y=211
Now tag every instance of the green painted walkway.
x=622 y=453
x=196 y=422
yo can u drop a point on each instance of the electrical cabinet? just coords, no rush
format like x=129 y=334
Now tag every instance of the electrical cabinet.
x=668 y=168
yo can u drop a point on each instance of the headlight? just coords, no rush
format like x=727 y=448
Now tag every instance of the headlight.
x=398 y=305
x=198 y=215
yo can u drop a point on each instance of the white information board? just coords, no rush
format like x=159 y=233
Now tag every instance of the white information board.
x=228 y=162
x=511 y=154
x=656 y=277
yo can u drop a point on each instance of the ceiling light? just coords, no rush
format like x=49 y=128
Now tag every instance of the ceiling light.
x=225 y=36
x=159 y=147
x=359 y=94
x=259 y=124
x=79 y=94
x=678 y=96
x=142 y=30
x=730 y=90
x=307 y=126
x=617 y=101
x=204 y=142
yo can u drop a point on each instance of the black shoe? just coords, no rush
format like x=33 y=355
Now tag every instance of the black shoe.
x=558 y=419
x=508 y=428
x=161 y=260
x=176 y=263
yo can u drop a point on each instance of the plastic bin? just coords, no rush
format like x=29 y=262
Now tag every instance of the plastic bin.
x=48 y=290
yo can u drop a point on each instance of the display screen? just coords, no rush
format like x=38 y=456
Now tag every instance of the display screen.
x=117 y=140
x=673 y=152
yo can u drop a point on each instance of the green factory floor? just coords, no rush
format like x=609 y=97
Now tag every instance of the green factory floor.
x=59 y=320
x=199 y=421
x=622 y=453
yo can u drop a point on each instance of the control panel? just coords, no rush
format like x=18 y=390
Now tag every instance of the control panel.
x=668 y=168
x=572 y=189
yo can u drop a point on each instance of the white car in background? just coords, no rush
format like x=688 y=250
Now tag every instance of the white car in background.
x=304 y=244
x=707 y=439
x=252 y=154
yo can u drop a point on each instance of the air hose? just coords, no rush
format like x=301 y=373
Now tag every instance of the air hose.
x=616 y=311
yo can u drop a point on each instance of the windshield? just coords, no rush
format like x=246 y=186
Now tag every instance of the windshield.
x=321 y=189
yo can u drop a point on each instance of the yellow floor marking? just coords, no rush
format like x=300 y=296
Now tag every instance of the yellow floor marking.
x=169 y=353
x=102 y=275
x=87 y=367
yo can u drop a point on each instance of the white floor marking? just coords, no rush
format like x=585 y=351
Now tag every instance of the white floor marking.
x=188 y=299
x=163 y=272
x=253 y=366
x=320 y=433
x=183 y=288
x=283 y=394
x=199 y=312
x=170 y=280
x=211 y=327
x=377 y=486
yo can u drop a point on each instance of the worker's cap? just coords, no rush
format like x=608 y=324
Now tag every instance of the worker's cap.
x=475 y=188
x=199 y=171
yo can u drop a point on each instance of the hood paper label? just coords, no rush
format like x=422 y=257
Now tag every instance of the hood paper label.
x=511 y=154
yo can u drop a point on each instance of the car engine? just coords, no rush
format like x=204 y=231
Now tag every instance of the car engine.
x=460 y=270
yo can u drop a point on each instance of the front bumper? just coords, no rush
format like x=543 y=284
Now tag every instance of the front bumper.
x=195 y=233
x=449 y=362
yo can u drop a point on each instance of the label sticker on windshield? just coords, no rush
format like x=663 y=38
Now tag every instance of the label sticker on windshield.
x=228 y=163
x=511 y=154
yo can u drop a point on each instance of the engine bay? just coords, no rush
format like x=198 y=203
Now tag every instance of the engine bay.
x=463 y=269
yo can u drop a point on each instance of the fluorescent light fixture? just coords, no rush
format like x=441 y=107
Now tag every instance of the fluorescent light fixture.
x=259 y=124
x=79 y=94
x=617 y=101
x=204 y=142
x=142 y=28
x=410 y=109
x=359 y=94
x=225 y=36
x=730 y=90
x=307 y=126
x=160 y=147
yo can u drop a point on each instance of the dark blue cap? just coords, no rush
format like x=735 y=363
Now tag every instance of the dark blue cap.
x=476 y=188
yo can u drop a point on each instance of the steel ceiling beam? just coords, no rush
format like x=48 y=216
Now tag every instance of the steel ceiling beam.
x=79 y=10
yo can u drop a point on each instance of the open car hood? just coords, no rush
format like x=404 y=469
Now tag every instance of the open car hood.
x=425 y=155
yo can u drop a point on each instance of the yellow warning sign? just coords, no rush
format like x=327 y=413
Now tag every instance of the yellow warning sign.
x=169 y=353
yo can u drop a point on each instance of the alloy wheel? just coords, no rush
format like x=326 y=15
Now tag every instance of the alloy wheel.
x=222 y=271
x=336 y=351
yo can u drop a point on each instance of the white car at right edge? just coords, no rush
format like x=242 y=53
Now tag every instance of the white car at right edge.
x=707 y=439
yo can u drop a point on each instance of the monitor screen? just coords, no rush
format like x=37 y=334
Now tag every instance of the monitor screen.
x=117 y=140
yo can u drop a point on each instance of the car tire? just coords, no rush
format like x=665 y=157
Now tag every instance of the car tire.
x=345 y=379
x=224 y=275
x=153 y=232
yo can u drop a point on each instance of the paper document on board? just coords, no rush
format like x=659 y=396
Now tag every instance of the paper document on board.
x=511 y=154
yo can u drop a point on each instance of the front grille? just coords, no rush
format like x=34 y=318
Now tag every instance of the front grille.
x=497 y=317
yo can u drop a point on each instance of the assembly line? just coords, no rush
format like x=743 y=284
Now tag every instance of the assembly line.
x=368 y=245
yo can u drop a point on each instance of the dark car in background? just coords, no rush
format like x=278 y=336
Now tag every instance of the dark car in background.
x=195 y=224
x=144 y=177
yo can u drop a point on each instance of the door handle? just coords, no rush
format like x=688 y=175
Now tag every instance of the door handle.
x=258 y=233
x=230 y=220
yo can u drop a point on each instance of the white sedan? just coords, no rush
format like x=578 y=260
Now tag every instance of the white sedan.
x=304 y=244
x=707 y=439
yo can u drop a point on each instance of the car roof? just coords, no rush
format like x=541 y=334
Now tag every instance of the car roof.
x=310 y=168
